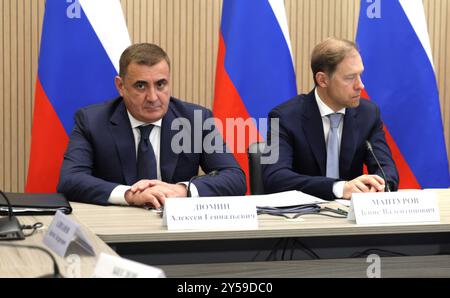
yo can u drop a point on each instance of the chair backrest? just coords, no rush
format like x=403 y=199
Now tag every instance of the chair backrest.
x=254 y=152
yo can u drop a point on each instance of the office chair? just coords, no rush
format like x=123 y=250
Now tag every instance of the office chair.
x=254 y=152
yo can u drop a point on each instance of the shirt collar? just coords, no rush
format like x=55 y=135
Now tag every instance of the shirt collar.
x=135 y=123
x=323 y=108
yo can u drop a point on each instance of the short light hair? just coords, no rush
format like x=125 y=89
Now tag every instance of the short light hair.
x=327 y=55
x=143 y=54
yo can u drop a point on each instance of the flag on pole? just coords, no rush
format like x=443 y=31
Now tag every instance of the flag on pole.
x=81 y=44
x=254 y=70
x=399 y=76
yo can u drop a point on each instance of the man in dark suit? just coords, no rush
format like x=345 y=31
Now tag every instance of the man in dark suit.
x=321 y=136
x=107 y=161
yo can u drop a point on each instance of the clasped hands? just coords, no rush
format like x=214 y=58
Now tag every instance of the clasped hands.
x=153 y=193
x=363 y=183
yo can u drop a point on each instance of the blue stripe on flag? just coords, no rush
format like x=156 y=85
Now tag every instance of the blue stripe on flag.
x=74 y=68
x=257 y=57
x=399 y=77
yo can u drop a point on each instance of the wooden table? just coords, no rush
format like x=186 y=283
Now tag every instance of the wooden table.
x=139 y=234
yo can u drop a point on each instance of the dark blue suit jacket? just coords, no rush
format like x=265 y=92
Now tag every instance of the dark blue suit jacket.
x=302 y=156
x=101 y=155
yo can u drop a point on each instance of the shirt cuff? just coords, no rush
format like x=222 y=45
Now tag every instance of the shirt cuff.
x=117 y=196
x=194 y=191
x=338 y=189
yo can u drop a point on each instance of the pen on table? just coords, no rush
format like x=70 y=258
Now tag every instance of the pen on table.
x=342 y=211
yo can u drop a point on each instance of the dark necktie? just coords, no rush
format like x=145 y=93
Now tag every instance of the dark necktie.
x=333 y=146
x=146 y=161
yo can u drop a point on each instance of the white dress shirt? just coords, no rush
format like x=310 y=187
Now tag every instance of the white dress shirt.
x=338 y=187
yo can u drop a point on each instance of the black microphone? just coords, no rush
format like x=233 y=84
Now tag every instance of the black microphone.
x=10 y=227
x=386 y=184
x=56 y=271
x=210 y=174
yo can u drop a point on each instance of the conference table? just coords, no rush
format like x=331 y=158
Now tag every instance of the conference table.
x=311 y=245
x=22 y=261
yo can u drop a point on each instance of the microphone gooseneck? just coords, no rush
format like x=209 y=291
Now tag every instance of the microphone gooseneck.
x=10 y=228
x=369 y=147
x=56 y=271
x=10 y=211
x=210 y=174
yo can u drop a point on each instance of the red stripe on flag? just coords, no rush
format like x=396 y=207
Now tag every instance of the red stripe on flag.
x=406 y=176
x=49 y=141
x=364 y=94
x=228 y=104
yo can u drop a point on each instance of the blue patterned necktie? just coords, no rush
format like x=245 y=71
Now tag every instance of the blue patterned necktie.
x=333 y=146
x=146 y=161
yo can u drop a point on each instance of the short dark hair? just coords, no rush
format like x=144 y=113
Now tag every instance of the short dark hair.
x=326 y=56
x=141 y=53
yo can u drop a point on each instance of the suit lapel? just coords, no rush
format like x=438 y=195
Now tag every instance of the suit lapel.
x=313 y=129
x=123 y=137
x=348 y=143
x=168 y=159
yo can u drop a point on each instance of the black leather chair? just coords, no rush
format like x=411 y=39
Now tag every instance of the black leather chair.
x=254 y=152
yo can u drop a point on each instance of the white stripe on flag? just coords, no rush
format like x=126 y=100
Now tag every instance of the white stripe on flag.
x=280 y=14
x=416 y=16
x=106 y=17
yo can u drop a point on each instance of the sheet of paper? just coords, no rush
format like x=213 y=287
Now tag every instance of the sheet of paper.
x=286 y=198
x=346 y=203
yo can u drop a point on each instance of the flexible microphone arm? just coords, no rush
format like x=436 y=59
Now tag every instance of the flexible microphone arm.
x=10 y=228
x=386 y=186
x=56 y=271
x=212 y=173
x=10 y=211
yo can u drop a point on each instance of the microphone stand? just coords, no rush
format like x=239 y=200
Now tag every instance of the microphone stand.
x=56 y=271
x=386 y=186
x=10 y=227
x=210 y=174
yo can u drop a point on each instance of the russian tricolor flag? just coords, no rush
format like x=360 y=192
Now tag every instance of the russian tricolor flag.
x=81 y=44
x=399 y=76
x=254 y=71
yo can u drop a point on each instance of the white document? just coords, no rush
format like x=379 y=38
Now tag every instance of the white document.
x=116 y=267
x=62 y=232
x=284 y=199
x=346 y=203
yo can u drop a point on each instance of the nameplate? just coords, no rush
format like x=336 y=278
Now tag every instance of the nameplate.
x=62 y=232
x=111 y=266
x=394 y=207
x=229 y=213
